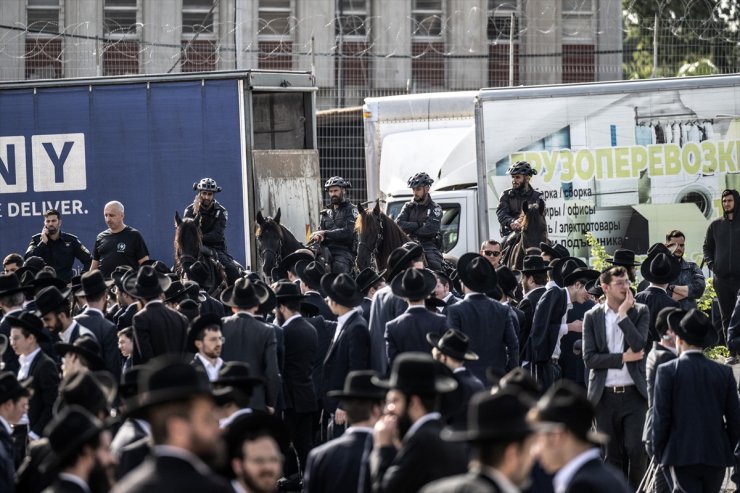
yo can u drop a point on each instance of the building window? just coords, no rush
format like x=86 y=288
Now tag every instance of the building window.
x=197 y=17
x=500 y=24
x=122 y=27
x=351 y=18
x=275 y=19
x=43 y=16
x=199 y=44
x=578 y=19
x=120 y=18
x=501 y=28
x=428 y=18
x=43 y=55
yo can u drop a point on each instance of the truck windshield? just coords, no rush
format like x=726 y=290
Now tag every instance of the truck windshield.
x=450 y=227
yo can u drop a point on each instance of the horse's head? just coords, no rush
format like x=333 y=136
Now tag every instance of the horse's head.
x=188 y=240
x=367 y=227
x=534 y=225
x=269 y=236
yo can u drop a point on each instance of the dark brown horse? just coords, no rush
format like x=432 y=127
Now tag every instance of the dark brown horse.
x=378 y=235
x=189 y=249
x=533 y=232
x=274 y=242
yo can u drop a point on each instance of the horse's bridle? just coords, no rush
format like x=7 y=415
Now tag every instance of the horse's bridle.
x=378 y=241
x=277 y=254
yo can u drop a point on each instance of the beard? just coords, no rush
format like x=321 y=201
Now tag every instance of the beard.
x=335 y=200
x=101 y=480
x=264 y=483
x=210 y=451
x=404 y=424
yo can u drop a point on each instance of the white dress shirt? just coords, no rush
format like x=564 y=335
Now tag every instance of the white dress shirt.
x=615 y=341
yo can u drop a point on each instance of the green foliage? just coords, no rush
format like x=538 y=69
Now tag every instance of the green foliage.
x=598 y=253
x=705 y=302
x=718 y=353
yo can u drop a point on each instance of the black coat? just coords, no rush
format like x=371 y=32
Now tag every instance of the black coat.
x=340 y=464
x=158 y=330
x=252 y=341
x=324 y=334
x=468 y=385
x=365 y=309
x=167 y=474
x=301 y=344
x=7 y=461
x=471 y=482
x=316 y=300
x=105 y=332
x=655 y=358
x=45 y=388
x=548 y=316
x=423 y=457
x=64 y=486
x=350 y=352
x=490 y=327
x=655 y=299
x=408 y=331
x=595 y=476
x=9 y=357
x=385 y=307
x=211 y=305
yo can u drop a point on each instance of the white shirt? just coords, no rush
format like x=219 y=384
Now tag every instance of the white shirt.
x=237 y=486
x=564 y=476
x=290 y=319
x=419 y=422
x=563 y=325
x=341 y=320
x=224 y=422
x=615 y=342
x=502 y=481
x=84 y=331
x=211 y=369
x=25 y=362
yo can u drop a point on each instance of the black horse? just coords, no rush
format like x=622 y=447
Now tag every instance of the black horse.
x=274 y=242
x=533 y=232
x=378 y=235
x=189 y=249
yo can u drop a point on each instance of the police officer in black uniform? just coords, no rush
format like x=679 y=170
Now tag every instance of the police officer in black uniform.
x=421 y=217
x=510 y=205
x=211 y=218
x=59 y=250
x=337 y=226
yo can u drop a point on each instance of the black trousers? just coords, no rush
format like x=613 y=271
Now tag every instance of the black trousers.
x=300 y=428
x=622 y=417
x=697 y=479
x=727 y=296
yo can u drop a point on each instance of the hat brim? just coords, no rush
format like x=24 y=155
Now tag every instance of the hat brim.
x=588 y=274
x=490 y=283
x=623 y=264
x=49 y=281
x=430 y=281
x=342 y=395
x=40 y=312
x=40 y=335
x=163 y=282
x=10 y=291
x=433 y=339
x=95 y=361
x=81 y=291
x=147 y=400
x=350 y=302
x=415 y=252
x=371 y=282
x=291 y=259
x=547 y=249
x=442 y=385
x=710 y=338
x=227 y=297
x=672 y=275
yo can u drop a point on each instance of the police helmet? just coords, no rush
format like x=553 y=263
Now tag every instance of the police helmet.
x=337 y=181
x=207 y=185
x=521 y=168
x=420 y=180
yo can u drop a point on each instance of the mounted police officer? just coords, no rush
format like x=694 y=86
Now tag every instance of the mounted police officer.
x=421 y=217
x=58 y=249
x=510 y=205
x=211 y=217
x=337 y=226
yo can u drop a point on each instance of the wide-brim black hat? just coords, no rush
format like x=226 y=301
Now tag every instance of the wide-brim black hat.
x=571 y=274
x=565 y=403
x=414 y=284
x=660 y=268
x=310 y=272
x=453 y=343
x=68 y=432
x=416 y=373
x=244 y=294
x=594 y=288
x=359 y=385
x=368 y=278
x=237 y=375
x=248 y=423
x=623 y=257
x=399 y=258
x=476 y=273
x=86 y=347
x=94 y=391
x=508 y=280
x=342 y=289
x=501 y=416
x=533 y=264
x=148 y=283
x=289 y=261
x=288 y=291
x=696 y=329
x=175 y=291
x=50 y=299
x=554 y=251
x=92 y=283
x=11 y=388
x=200 y=273
x=198 y=324
x=31 y=323
x=45 y=278
x=560 y=264
x=10 y=284
x=271 y=302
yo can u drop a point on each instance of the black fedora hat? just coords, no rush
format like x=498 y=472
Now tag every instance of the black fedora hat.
x=696 y=329
x=148 y=283
x=508 y=280
x=46 y=277
x=624 y=257
x=49 y=299
x=476 y=273
x=554 y=251
x=85 y=346
x=342 y=289
x=359 y=384
x=271 y=302
x=673 y=319
x=29 y=321
x=246 y=424
x=10 y=284
x=288 y=291
x=11 y=388
x=94 y=391
x=521 y=382
x=198 y=272
x=533 y=264
x=572 y=271
x=414 y=284
x=158 y=265
x=661 y=268
x=416 y=373
x=310 y=273
x=166 y=379
x=657 y=248
x=244 y=294
x=237 y=375
x=92 y=283
x=176 y=292
x=119 y=272
x=189 y=308
x=68 y=432
x=199 y=323
x=565 y=403
x=453 y=343
x=367 y=278
x=594 y=288
x=497 y=417
x=290 y=260
x=400 y=257
x=662 y=320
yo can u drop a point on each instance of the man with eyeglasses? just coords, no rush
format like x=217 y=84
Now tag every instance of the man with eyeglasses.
x=491 y=250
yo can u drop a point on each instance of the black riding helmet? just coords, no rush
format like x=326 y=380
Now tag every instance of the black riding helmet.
x=337 y=181
x=420 y=180
x=521 y=168
x=207 y=185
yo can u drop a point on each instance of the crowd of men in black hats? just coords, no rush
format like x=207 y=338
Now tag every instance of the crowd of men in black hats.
x=555 y=378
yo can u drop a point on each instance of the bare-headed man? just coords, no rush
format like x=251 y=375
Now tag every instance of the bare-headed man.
x=119 y=244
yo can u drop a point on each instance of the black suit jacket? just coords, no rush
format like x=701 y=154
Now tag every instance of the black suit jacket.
x=468 y=385
x=324 y=334
x=45 y=387
x=7 y=461
x=490 y=327
x=450 y=301
x=696 y=415
x=166 y=474
x=158 y=330
x=423 y=457
x=548 y=315
x=408 y=331
x=9 y=357
x=472 y=482
x=124 y=317
x=657 y=357
x=350 y=352
x=655 y=299
x=211 y=305
x=385 y=307
x=595 y=476
x=365 y=309
x=105 y=332
x=527 y=305
x=341 y=464
x=301 y=344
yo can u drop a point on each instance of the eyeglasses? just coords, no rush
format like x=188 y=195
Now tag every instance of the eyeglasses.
x=216 y=339
x=491 y=253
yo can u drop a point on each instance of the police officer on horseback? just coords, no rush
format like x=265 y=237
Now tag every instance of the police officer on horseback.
x=211 y=217
x=337 y=226
x=421 y=218
x=512 y=200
